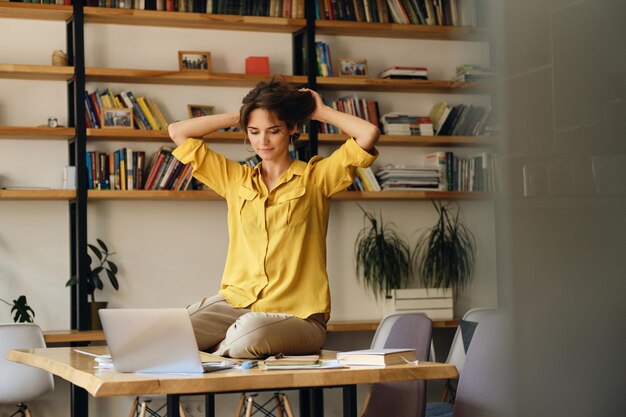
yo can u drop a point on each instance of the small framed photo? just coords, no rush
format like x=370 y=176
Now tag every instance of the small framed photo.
x=194 y=61
x=199 y=110
x=351 y=67
x=117 y=118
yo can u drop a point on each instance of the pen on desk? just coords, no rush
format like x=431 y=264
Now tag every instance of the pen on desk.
x=249 y=364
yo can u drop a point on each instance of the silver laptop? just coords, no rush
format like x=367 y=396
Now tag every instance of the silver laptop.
x=154 y=340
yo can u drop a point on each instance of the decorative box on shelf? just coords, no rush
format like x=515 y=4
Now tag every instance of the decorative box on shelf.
x=434 y=302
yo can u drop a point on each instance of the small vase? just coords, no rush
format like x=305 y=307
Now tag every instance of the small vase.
x=59 y=58
x=95 y=317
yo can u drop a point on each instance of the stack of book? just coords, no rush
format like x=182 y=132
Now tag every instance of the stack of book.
x=404 y=73
x=146 y=113
x=404 y=124
x=377 y=357
x=324 y=61
x=474 y=73
x=360 y=107
x=408 y=177
x=459 y=120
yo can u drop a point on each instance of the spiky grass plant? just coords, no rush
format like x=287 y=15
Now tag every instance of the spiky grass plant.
x=382 y=257
x=445 y=254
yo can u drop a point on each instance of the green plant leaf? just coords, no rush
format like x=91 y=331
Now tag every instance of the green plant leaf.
x=113 y=279
x=72 y=281
x=112 y=267
x=102 y=245
x=96 y=251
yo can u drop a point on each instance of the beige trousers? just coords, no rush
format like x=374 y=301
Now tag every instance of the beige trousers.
x=240 y=333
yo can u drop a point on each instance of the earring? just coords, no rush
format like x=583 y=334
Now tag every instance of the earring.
x=248 y=148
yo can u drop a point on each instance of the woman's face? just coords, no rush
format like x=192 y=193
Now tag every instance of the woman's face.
x=268 y=135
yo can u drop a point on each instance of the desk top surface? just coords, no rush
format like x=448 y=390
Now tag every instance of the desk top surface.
x=79 y=369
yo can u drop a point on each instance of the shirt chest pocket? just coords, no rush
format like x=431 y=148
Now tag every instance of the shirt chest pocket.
x=291 y=208
x=249 y=213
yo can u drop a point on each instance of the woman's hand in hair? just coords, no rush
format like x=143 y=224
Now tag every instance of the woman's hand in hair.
x=319 y=104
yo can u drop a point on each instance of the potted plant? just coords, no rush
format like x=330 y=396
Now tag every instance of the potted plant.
x=22 y=311
x=382 y=257
x=444 y=255
x=94 y=282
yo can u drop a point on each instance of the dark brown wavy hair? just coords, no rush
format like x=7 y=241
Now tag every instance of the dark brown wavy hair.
x=283 y=101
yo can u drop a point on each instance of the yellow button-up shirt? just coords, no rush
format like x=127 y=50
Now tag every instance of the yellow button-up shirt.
x=276 y=258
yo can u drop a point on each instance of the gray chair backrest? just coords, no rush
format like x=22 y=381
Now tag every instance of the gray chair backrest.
x=21 y=383
x=456 y=356
x=401 y=399
x=482 y=389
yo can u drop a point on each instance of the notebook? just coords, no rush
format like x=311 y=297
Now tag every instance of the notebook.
x=153 y=340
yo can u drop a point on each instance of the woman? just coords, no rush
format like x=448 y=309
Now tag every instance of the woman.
x=274 y=295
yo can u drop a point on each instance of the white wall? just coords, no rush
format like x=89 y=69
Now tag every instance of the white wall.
x=170 y=253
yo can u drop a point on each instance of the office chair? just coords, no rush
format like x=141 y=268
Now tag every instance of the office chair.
x=456 y=356
x=390 y=399
x=21 y=383
x=481 y=390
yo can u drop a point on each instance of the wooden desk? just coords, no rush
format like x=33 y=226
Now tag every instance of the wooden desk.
x=79 y=370
x=88 y=336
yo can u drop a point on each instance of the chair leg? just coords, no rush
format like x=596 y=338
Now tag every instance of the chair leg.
x=279 y=404
x=444 y=394
x=133 y=409
x=142 y=412
x=181 y=409
x=288 y=409
x=242 y=399
x=250 y=406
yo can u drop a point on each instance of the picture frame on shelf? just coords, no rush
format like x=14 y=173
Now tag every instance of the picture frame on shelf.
x=353 y=67
x=117 y=118
x=194 y=61
x=199 y=110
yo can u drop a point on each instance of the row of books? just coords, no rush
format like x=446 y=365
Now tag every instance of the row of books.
x=408 y=177
x=364 y=180
x=125 y=169
x=324 y=61
x=404 y=124
x=146 y=113
x=464 y=173
x=459 y=120
x=416 y=12
x=360 y=107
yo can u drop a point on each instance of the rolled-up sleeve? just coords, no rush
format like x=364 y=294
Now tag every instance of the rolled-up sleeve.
x=210 y=167
x=336 y=172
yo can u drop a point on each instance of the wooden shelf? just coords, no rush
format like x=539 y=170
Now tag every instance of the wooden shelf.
x=417 y=141
x=181 y=78
x=35 y=11
x=36 y=72
x=37 y=194
x=192 y=20
x=137 y=135
x=201 y=195
x=401 y=86
x=395 y=30
x=197 y=195
x=28 y=132
x=87 y=336
x=410 y=195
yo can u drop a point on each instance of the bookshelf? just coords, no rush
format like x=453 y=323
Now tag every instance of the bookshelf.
x=129 y=17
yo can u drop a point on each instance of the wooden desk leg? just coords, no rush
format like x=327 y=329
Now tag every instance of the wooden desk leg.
x=79 y=401
x=349 y=401
x=173 y=402
x=209 y=405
